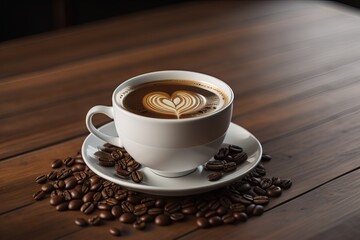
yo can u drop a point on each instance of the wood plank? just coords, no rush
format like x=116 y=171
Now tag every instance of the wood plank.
x=26 y=93
x=326 y=209
x=17 y=56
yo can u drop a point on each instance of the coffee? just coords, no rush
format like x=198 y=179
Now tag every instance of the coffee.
x=172 y=99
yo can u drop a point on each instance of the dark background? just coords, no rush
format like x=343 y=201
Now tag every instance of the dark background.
x=19 y=18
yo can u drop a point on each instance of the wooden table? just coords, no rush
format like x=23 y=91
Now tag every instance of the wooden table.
x=295 y=70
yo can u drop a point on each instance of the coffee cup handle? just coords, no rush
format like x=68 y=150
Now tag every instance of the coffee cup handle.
x=108 y=111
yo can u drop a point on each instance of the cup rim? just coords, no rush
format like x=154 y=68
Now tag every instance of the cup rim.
x=170 y=120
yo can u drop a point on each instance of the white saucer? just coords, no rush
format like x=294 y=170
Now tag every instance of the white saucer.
x=193 y=183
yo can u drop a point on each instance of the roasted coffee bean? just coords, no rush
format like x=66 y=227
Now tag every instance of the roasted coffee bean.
x=64 y=174
x=79 y=161
x=75 y=204
x=248 y=197
x=70 y=183
x=127 y=218
x=102 y=154
x=41 y=179
x=148 y=202
x=39 y=195
x=235 y=197
x=189 y=210
x=215 y=165
x=274 y=191
x=81 y=222
x=106 y=162
x=115 y=155
x=139 y=225
x=69 y=161
x=75 y=194
x=106 y=215
x=88 y=197
x=95 y=221
x=147 y=218
x=155 y=211
x=211 y=213
x=134 y=199
x=56 y=163
x=265 y=183
x=52 y=175
x=255 y=181
x=97 y=197
x=240 y=216
x=56 y=192
x=67 y=195
x=225 y=201
x=262 y=200
x=96 y=187
x=258 y=210
x=172 y=207
x=286 y=184
x=234 y=149
x=237 y=207
x=94 y=179
x=266 y=158
x=244 y=187
x=163 y=220
x=177 y=216
x=78 y=168
x=62 y=206
x=56 y=200
x=214 y=204
x=116 y=211
x=107 y=193
x=87 y=208
x=250 y=209
x=123 y=173
x=221 y=211
x=121 y=165
x=140 y=210
x=239 y=158
x=85 y=188
x=133 y=167
x=115 y=231
x=136 y=176
x=127 y=207
x=244 y=201
x=104 y=206
x=222 y=153
x=131 y=162
x=260 y=171
x=214 y=176
x=200 y=214
x=229 y=167
x=228 y=218
x=259 y=190
x=203 y=222
x=159 y=203
x=80 y=177
x=252 y=193
x=276 y=181
x=111 y=201
x=121 y=195
x=47 y=188
x=215 y=221
x=59 y=184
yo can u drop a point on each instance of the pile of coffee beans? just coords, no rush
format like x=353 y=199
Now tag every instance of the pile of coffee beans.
x=226 y=160
x=126 y=167
x=71 y=185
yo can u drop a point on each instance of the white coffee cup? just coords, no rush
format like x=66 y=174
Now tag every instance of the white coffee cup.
x=170 y=147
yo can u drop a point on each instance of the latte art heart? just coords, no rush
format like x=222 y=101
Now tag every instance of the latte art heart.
x=179 y=103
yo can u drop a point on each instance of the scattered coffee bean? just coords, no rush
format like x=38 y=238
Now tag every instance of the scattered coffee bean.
x=127 y=218
x=276 y=181
x=214 y=165
x=274 y=191
x=139 y=225
x=240 y=158
x=240 y=216
x=177 y=216
x=266 y=158
x=69 y=161
x=115 y=231
x=62 y=206
x=39 y=195
x=47 y=188
x=75 y=204
x=41 y=179
x=234 y=149
x=215 y=221
x=262 y=200
x=203 y=222
x=285 y=184
x=56 y=163
x=214 y=176
x=136 y=176
x=56 y=200
x=222 y=153
x=228 y=218
x=81 y=222
x=147 y=218
x=116 y=211
x=259 y=190
x=106 y=215
x=87 y=208
x=163 y=220
x=95 y=221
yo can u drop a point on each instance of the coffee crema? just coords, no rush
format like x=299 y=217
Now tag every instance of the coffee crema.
x=172 y=99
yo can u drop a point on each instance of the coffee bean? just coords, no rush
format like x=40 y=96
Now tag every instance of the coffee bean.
x=163 y=220
x=274 y=191
x=250 y=209
x=67 y=195
x=258 y=210
x=70 y=182
x=210 y=213
x=102 y=154
x=237 y=207
x=96 y=187
x=214 y=176
x=148 y=202
x=75 y=204
x=221 y=211
x=239 y=158
x=139 y=225
x=88 y=197
x=215 y=221
x=116 y=211
x=94 y=179
x=64 y=174
x=252 y=193
x=85 y=188
x=225 y=201
x=286 y=184
x=69 y=161
x=115 y=231
x=240 y=216
x=136 y=176
x=75 y=194
x=255 y=181
x=262 y=200
x=56 y=200
x=59 y=184
x=247 y=197
x=111 y=201
x=80 y=177
x=172 y=207
x=97 y=197
x=56 y=192
x=133 y=167
x=177 y=216
x=229 y=167
x=79 y=161
x=107 y=193
x=127 y=207
x=95 y=221
x=121 y=195
x=222 y=153
x=106 y=215
x=159 y=203
x=228 y=218
x=189 y=210
x=155 y=211
x=87 y=208
x=39 y=195
x=127 y=218
x=56 y=163
x=81 y=222
x=260 y=171
x=41 y=179
x=203 y=222
x=134 y=199
x=244 y=187
x=234 y=149
x=276 y=181
x=147 y=218
x=140 y=210
x=62 y=206
x=214 y=165
x=266 y=158
x=265 y=183
x=200 y=214
x=123 y=173
x=78 y=167
x=47 y=188
x=259 y=190
x=103 y=206
x=52 y=175
x=106 y=162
